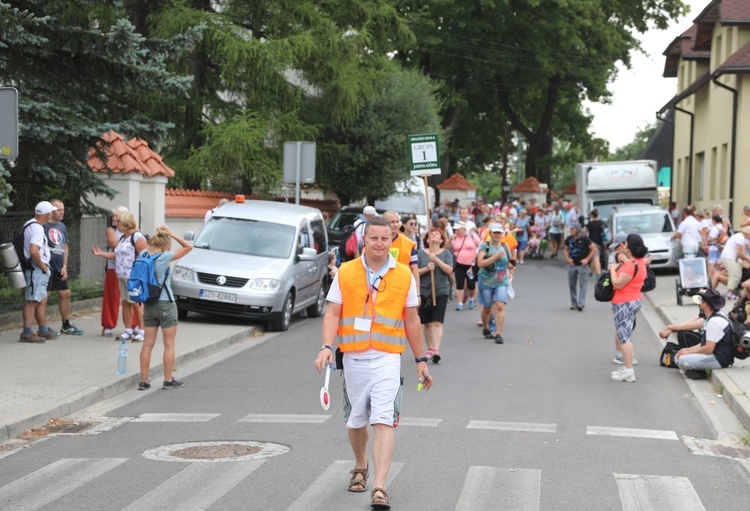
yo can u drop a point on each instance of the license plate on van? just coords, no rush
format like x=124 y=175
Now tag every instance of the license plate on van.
x=218 y=296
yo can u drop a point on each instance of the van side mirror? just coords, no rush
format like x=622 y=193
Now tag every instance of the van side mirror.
x=189 y=236
x=308 y=254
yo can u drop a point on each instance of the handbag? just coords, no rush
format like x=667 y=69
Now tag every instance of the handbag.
x=603 y=289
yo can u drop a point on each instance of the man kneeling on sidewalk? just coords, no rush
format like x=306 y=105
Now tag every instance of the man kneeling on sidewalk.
x=711 y=346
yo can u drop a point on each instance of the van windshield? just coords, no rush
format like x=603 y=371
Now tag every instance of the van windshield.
x=647 y=223
x=403 y=203
x=248 y=237
x=604 y=207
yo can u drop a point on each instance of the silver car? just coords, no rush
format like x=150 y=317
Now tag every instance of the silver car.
x=655 y=226
x=255 y=259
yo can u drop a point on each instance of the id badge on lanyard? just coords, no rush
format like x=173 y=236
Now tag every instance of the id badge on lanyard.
x=364 y=324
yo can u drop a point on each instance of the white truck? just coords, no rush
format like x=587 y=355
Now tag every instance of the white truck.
x=604 y=185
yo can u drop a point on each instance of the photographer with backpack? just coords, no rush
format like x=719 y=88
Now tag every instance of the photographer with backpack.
x=162 y=312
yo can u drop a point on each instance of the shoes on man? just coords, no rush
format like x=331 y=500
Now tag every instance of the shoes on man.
x=498 y=339
x=436 y=356
x=71 y=330
x=32 y=337
x=144 y=385
x=459 y=306
x=624 y=375
x=472 y=304
x=696 y=374
x=49 y=335
x=580 y=309
x=619 y=361
x=174 y=384
x=573 y=307
x=487 y=333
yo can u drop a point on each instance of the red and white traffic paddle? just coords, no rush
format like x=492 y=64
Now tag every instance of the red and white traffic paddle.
x=325 y=397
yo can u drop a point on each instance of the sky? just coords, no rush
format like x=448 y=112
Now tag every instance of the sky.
x=638 y=93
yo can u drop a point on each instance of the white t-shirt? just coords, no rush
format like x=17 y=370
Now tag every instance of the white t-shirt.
x=715 y=328
x=571 y=217
x=690 y=229
x=34 y=234
x=469 y=225
x=734 y=243
x=125 y=254
x=334 y=296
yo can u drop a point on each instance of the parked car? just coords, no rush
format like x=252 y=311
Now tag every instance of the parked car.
x=345 y=216
x=655 y=226
x=255 y=259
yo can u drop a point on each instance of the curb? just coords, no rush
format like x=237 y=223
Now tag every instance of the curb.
x=111 y=388
x=735 y=397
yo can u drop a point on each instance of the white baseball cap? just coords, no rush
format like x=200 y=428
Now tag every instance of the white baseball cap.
x=44 y=207
x=369 y=210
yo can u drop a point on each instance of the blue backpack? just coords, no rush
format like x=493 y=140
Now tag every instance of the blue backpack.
x=142 y=284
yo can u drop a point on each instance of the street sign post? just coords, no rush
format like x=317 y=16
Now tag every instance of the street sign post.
x=299 y=164
x=424 y=154
x=8 y=123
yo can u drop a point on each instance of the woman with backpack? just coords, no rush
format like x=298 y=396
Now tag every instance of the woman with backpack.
x=162 y=312
x=627 y=273
x=131 y=242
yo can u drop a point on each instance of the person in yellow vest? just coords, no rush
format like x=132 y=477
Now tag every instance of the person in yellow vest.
x=372 y=310
x=403 y=249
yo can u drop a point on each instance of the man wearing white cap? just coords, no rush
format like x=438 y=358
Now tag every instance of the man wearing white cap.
x=36 y=252
x=359 y=226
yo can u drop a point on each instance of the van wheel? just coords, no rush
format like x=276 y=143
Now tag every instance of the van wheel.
x=182 y=313
x=285 y=316
x=316 y=310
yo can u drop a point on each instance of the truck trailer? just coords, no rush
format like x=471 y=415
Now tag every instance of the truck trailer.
x=604 y=185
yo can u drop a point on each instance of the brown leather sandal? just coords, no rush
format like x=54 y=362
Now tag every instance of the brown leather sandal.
x=379 y=502
x=358 y=485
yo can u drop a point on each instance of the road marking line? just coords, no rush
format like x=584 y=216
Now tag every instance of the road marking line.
x=197 y=487
x=328 y=487
x=49 y=483
x=526 y=427
x=414 y=421
x=657 y=493
x=656 y=434
x=175 y=417
x=281 y=418
x=509 y=489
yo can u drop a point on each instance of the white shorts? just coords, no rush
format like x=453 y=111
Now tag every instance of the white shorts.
x=372 y=390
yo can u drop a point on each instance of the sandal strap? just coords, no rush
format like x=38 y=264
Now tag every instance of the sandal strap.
x=362 y=471
x=385 y=496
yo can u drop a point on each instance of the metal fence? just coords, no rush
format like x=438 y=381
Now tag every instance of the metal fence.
x=85 y=270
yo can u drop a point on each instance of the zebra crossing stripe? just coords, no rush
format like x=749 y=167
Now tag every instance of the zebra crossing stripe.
x=331 y=487
x=175 y=417
x=509 y=489
x=513 y=426
x=47 y=484
x=415 y=421
x=197 y=487
x=657 y=493
x=657 y=434
x=279 y=418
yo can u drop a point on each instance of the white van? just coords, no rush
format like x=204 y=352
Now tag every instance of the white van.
x=409 y=198
x=255 y=259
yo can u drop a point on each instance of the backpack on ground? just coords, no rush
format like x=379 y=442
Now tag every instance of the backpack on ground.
x=668 y=355
x=142 y=284
x=737 y=331
x=18 y=241
x=348 y=247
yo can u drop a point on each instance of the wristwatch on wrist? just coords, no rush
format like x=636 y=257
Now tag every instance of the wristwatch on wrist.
x=420 y=359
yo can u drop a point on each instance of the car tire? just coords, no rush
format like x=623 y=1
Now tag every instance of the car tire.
x=182 y=313
x=316 y=310
x=284 y=318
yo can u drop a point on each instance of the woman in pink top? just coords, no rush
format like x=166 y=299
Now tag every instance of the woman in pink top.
x=628 y=273
x=464 y=245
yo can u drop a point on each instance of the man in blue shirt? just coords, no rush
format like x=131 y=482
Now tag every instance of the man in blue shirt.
x=578 y=252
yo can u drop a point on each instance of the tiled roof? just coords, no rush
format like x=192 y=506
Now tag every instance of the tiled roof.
x=191 y=203
x=682 y=48
x=571 y=190
x=456 y=182
x=124 y=157
x=737 y=63
x=528 y=185
x=727 y=12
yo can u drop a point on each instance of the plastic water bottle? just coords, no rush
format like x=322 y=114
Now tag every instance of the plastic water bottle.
x=122 y=359
x=470 y=273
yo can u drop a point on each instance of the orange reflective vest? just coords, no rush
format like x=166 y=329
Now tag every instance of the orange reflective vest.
x=387 y=331
x=401 y=248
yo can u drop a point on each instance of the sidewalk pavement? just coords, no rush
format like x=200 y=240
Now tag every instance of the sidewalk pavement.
x=733 y=382
x=54 y=379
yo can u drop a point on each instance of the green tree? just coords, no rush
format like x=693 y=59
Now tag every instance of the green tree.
x=80 y=71
x=631 y=150
x=531 y=62
x=367 y=156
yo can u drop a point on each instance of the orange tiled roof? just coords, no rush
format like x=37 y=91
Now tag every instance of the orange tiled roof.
x=739 y=62
x=529 y=185
x=456 y=182
x=571 y=190
x=191 y=203
x=124 y=157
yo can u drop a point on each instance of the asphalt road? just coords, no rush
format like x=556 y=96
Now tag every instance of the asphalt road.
x=534 y=424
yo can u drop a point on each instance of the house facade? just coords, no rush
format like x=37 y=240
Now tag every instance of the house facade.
x=711 y=61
